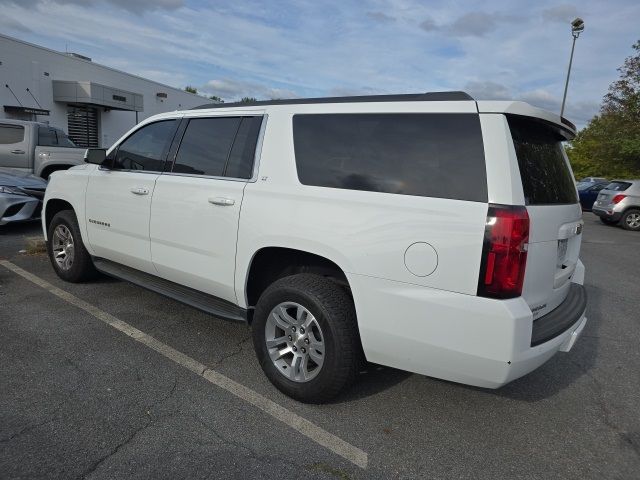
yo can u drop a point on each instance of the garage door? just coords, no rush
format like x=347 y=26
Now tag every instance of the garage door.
x=83 y=125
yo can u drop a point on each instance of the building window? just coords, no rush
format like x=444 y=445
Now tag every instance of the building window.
x=83 y=125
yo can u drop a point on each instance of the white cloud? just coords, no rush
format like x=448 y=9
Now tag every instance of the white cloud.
x=487 y=90
x=380 y=17
x=136 y=6
x=473 y=24
x=562 y=13
x=334 y=47
x=229 y=89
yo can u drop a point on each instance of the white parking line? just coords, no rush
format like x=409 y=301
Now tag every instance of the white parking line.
x=308 y=429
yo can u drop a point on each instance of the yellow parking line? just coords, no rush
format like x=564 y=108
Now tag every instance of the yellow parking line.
x=296 y=422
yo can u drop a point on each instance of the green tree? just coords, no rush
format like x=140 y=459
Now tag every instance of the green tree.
x=610 y=144
x=248 y=100
x=216 y=98
x=190 y=89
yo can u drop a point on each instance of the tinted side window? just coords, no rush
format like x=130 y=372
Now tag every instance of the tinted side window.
x=546 y=178
x=47 y=137
x=146 y=148
x=431 y=155
x=11 y=134
x=240 y=164
x=206 y=145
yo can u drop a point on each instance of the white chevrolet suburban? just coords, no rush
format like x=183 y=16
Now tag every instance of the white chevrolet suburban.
x=429 y=232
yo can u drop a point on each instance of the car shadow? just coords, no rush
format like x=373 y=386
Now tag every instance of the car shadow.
x=371 y=380
x=22 y=228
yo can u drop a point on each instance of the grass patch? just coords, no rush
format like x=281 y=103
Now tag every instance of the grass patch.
x=35 y=245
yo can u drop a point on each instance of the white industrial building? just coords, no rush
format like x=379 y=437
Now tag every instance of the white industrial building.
x=93 y=103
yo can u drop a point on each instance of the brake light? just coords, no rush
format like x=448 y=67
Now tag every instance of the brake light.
x=618 y=198
x=504 y=252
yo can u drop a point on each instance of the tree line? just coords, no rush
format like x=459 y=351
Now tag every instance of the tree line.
x=609 y=146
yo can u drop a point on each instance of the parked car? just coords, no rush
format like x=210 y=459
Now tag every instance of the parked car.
x=36 y=148
x=619 y=203
x=21 y=195
x=588 y=192
x=593 y=180
x=430 y=232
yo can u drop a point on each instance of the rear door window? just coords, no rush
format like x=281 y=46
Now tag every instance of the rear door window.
x=242 y=156
x=430 y=155
x=219 y=147
x=546 y=177
x=206 y=145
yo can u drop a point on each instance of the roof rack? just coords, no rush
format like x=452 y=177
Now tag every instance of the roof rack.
x=412 y=97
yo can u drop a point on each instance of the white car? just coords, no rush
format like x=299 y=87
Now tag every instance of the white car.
x=430 y=232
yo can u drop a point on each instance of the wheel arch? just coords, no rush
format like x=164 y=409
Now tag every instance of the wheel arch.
x=270 y=263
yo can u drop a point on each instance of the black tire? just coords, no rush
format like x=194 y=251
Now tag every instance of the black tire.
x=606 y=221
x=333 y=309
x=624 y=221
x=81 y=269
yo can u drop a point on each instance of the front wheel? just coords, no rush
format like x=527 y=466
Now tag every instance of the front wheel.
x=631 y=220
x=306 y=337
x=69 y=258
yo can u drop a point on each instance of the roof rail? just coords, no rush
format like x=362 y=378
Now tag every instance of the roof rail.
x=412 y=97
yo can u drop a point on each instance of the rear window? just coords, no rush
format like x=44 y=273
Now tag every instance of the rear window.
x=431 y=155
x=546 y=178
x=618 y=186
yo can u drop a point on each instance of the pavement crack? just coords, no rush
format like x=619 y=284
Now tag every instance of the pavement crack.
x=132 y=436
x=238 y=349
x=599 y=391
x=269 y=459
x=27 y=429
x=95 y=465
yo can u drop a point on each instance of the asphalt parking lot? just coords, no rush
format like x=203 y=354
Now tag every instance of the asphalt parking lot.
x=79 y=398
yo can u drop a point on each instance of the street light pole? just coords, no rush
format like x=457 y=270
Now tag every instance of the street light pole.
x=577 y=26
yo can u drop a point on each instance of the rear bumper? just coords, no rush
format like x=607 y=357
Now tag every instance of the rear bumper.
x=607 y=214
x=461 y=338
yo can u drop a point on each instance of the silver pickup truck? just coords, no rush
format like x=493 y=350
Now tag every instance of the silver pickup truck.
x=37 y=148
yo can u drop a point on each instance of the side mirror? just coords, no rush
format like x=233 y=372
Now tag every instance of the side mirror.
x=95 y=156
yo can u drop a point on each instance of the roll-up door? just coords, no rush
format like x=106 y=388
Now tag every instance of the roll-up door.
x=83 y=125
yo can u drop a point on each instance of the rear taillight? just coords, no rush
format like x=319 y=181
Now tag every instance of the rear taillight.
x=504 y=252
x=618 y=198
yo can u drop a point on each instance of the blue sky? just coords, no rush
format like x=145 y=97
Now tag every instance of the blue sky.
x=491 y=49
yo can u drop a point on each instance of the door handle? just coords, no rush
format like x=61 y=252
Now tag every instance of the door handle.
x=222 y=201
x=140 y=191
x=17 y=152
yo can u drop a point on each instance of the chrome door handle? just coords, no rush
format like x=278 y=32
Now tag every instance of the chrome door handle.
x=140 y=191
x=222 y=201
x=17 y=152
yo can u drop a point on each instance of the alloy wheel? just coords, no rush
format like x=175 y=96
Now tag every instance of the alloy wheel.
x=63 y=247
x=633 y=220
x=295 y=342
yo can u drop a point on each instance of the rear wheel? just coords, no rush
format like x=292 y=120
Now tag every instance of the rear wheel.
x=631 y=220
x=306 y=338
x=69 y=258
x=606 y=221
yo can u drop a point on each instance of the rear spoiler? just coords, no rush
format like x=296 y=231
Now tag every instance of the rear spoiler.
x=563 y=126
